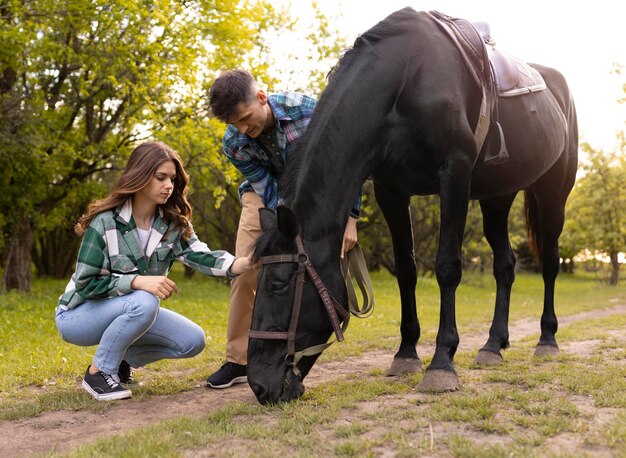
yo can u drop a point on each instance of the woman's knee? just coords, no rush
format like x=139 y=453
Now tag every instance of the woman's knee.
x=195 y=341
x=144 y=303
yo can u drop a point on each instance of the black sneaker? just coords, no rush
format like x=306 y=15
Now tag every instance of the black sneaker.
x=228 y=375
x=125 y=373
x=105 y=387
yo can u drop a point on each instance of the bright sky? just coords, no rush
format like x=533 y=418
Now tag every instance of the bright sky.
x=581 y=39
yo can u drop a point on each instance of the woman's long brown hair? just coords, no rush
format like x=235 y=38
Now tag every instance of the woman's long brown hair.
x=140 y=169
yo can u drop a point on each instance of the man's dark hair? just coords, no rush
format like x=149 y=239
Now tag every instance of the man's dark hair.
x=228 y=90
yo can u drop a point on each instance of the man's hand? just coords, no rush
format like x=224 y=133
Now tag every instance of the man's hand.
x=161 y=287
x=241 y=265
x=349 y=236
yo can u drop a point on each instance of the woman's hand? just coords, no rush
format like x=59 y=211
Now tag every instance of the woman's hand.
x=241 y=265
x=161 y=287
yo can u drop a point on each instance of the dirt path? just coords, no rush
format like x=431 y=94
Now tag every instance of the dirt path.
x=59 y=431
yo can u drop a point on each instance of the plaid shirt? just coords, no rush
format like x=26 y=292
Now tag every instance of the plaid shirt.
x=292 y=113
x=110 y=256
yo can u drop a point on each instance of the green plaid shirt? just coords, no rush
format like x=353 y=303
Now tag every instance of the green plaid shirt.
x=110 y=256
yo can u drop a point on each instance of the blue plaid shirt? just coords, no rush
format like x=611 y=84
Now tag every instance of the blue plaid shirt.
x=292 y=113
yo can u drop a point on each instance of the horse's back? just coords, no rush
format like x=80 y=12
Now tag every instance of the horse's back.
x=540 y=132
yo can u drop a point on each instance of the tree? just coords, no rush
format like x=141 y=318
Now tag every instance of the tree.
x=198 y=136
x=80 y=82
x=598 y=206
x=375 y=239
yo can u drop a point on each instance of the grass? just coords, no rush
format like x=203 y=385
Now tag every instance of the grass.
x=36 y=364
x=376 y=414
x=511 y=410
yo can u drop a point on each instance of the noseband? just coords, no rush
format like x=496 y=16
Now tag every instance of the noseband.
x=333 y=308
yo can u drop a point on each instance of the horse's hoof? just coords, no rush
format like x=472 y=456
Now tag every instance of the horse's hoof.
x=401 y=366
x=438 y=381
x=488 y=358
x=546 y=350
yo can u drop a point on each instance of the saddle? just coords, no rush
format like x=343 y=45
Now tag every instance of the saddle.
x=513 y=76
x=498 y=75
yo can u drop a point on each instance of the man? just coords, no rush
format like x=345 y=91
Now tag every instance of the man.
x=262 y=132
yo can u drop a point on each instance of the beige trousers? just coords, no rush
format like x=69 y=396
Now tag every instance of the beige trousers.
x=243 y=287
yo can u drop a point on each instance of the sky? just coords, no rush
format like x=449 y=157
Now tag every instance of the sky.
x=581 y=39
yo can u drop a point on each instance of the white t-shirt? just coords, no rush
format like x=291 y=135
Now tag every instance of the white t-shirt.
x=144 y=236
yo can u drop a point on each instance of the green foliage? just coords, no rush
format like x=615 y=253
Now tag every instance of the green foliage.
x=597 y=208
x=375 y=239
x=82 y=81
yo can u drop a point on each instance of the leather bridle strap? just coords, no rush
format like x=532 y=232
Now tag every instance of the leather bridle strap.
x=333 y=308
x=295 y=311
x=277 y=259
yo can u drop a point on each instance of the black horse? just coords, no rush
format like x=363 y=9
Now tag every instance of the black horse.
x=401 y=108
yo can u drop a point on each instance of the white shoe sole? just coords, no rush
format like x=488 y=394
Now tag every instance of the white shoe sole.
x=108 y=396
x=242 y=379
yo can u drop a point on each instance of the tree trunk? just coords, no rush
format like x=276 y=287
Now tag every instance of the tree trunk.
x=567 y=267
x=17 y=273
x=614 y=269
x=54 y=253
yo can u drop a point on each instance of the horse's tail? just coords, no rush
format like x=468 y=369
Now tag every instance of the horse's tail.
x=531 y=210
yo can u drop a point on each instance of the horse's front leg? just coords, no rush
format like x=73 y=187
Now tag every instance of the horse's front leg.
x=454 y=182
x=396 y=210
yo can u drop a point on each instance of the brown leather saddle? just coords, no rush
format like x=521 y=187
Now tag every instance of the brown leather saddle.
x=498 y=75
x=513 y=77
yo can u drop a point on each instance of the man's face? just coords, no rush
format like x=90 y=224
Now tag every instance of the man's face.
x=255 y=117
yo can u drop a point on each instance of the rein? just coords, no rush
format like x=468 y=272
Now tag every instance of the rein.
x=354 y=265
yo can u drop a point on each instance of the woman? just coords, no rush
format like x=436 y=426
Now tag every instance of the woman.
x=130 y=240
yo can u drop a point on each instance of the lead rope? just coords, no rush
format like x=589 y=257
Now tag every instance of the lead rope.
x=353 y=266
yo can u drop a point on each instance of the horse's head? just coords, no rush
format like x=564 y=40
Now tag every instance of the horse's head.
x=290 y=315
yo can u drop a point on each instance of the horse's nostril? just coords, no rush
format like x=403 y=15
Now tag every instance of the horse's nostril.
x=256 y=389
x=262 y=395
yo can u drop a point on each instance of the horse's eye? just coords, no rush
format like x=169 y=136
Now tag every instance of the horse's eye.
x=279 y=288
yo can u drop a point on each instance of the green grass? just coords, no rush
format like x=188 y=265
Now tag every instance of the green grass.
x=372 y=414
x=39 y=372
x=518 y=409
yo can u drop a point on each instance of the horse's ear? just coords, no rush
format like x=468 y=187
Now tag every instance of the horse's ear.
x=287 y=222
x=268 y=219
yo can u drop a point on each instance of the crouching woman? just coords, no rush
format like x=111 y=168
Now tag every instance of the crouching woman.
x=130 y=240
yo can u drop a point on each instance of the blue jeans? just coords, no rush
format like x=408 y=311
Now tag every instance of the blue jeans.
x=132 y=327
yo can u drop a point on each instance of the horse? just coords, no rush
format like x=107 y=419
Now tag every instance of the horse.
x=401 y=108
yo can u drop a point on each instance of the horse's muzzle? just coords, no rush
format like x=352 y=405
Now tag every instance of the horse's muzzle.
x=293 y=388
x=290 y=388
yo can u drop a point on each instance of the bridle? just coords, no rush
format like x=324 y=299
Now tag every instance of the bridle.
x=333 y=308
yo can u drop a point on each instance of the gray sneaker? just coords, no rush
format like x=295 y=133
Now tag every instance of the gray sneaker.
x=105 y=387
x=228 y=375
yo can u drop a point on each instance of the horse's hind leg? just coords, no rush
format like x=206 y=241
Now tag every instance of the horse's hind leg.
x=495 y=226
x=547 y=214
x=396 y=211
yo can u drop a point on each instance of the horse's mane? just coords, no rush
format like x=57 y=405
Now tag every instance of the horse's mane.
x=397 y=23
x=262 y=244
x=272 y=241
x=289 y=178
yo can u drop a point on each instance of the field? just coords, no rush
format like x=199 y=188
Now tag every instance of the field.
x=574 y=405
